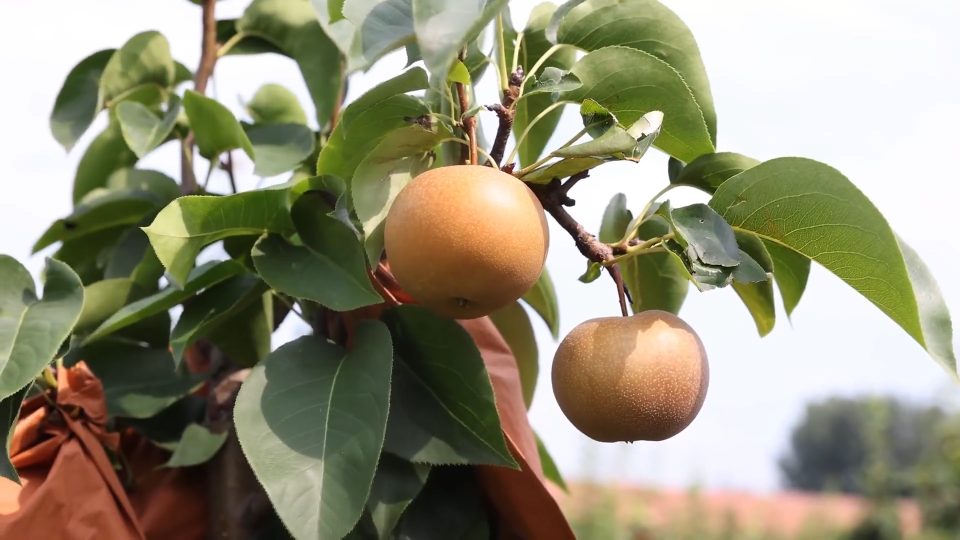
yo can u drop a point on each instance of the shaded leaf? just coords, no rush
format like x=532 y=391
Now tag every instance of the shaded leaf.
x=167 y=427
x=543 y=299
x=187 y=224
x=443 y=408
x=707 y=234
x=100 y=209
x=201 y=277
x=616 y=217
x=408 y=81
x=214 y=126
x=397 y=483
x=107 y=153
x=143 y=60
x=133 y=258
x=562 y=169
x=86 y=255
x=32 y=329
x=533 y=46
x=758 y=297
x=934 y=315
x=815 y=210
x=655 y=280
x=292 y=26
x=387 y=169
x=274 y=104
x=142 y=129
x=77 y=102
x=243 y=45
x=245 y=337
x=514 y=326
x=138 y=382
x=550 y=470
x=197 y=446
x=160 y=185
x=104 y=298
x=444 y=26
x=279 y=147
x=311 y=420
x=9 y=414
x=791 y=270
x=212 y=308
x=450 y=506
x=646 y=25
x=708 y=171
x=329 y=278
x=644 y=83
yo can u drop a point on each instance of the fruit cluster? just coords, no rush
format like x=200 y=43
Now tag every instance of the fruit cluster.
x=466 y=241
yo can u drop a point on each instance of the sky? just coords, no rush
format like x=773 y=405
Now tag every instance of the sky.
x=868 y=87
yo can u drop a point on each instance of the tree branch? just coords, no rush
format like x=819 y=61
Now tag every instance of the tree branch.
x=505 y=112
x=208 y=58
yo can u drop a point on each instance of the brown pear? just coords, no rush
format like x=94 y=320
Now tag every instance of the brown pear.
x=637 y=378
x=466 y=240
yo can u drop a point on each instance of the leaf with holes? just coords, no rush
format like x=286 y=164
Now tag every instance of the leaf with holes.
x=311 y=420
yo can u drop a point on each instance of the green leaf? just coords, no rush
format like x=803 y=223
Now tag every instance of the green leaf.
x=347 y=148
x=212 y=308
x=387 y=169
x=543 y=299
x=279 y=147
x=550 y=470
x=646 y=25
x=187 y=224
x=138 y=382
x=243 y=45
x=450 y=506
x=758 y=297
x=711 y=238
x=655 y=280
x=133 y=258
x=200 y=278
x=934 y=315
x=615 y=220
x=86 y=255
x=245 y=337
x=791 y=270
x=562 y=169
x=397 y=483
x=100 y=209
x=444 y=26
x=443 y=408
x=459 y=73
x=514 y=326
x=214 y=126
x=160 y=185
x=408 y=81
x=292 y=26
x=9 y=415
x=107 y=153
x=77 y=102
x=311 y=420
x=167 y=427
x=274 y=104
x=708 y=171
x=32 y=329
x=618 y=143
x=332 y=278
x=816 y=211
x=143 y=60
x=753 y=245
x=181 y=74
x=533 y=46
x=591 y=274
x=104 y=298
x=142 y=129
x=674 y=168
x=596 y=118
x=366 y=30
x=553 y=80
x=644 y=83
x=197 y=446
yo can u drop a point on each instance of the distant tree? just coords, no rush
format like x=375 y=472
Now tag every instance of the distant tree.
x=830 y=447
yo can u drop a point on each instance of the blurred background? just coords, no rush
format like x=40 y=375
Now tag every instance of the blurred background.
x=837 y=420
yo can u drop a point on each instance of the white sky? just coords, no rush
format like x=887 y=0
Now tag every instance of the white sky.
x=869 y=87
